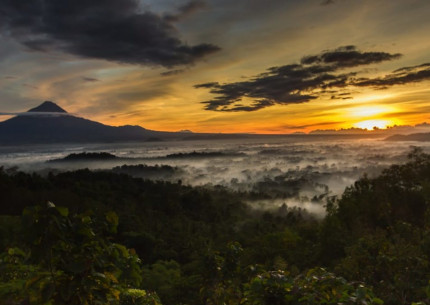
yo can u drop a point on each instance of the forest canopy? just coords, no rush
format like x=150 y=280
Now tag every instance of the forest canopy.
x=86 y=237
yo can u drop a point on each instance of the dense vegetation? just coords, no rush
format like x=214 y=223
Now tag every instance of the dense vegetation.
x=205 y=246
x=203 y=154
x=86 y=156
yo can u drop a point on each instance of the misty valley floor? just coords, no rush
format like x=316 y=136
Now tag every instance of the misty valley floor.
x=288 y=171
x=254 y=222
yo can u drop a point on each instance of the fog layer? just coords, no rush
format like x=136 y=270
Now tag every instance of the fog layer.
x=271 y=172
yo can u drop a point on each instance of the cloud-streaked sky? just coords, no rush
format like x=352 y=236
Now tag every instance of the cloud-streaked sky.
x=271 y=66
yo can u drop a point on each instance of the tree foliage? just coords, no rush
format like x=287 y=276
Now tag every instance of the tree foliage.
x=70 y=260
x=204 y=245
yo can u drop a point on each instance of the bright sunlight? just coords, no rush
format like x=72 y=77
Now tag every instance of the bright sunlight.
x=371 y=124
x=367 y=111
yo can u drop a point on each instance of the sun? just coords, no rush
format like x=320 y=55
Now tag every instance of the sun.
x=372 y=124
x=371 y=117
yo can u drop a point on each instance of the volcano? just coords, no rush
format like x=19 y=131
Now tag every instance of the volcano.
x=48 y=123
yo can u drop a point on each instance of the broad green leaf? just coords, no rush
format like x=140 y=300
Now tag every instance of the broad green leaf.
x=63 y=211
x=112 y=218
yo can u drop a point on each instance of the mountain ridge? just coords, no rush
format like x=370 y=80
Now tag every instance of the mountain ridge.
x=46 y=129
x=48 y=106
x=418 y=137
x=48 y=123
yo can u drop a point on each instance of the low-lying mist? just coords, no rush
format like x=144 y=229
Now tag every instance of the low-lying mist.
x=274 y=173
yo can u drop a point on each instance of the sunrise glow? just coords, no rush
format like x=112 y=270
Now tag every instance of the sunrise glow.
x=210 y=137
x=371 y=124
x=222 y=77
x=369 y=111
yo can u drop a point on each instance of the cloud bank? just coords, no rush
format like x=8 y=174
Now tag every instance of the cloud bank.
x=185 y=10
x=113 y=30
x=315 y=76
x=400 y=76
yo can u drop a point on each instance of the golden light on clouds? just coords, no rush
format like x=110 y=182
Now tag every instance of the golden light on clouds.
x=311 y=77
x=371 y=116
x=375 y=98
x=370 y=111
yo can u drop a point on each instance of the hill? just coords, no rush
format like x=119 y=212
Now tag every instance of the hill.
x=48 y=107
x=49 y=123
x=421 y=137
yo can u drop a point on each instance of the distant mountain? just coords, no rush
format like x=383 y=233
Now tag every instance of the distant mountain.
x=421 y=137
x=48 y=107
x=49 y=123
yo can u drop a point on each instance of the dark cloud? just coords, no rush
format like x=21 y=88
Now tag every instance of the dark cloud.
x=348 y=56
x=173 y=72
x=115 y=30
x=341 y=96
x=186 y=10
x=400 y=76
x=293 y=84
x=90 y=79
x=206 y=85
x=328 y=2
x=30 y=86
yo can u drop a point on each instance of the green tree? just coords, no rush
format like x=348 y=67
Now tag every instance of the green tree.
x=71 y=260
x=224 y=276
x=316 y=286
x=164 y=277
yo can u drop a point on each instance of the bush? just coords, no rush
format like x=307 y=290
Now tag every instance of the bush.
x=138 y=297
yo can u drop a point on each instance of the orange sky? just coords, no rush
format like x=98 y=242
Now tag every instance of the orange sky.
x=250 y=37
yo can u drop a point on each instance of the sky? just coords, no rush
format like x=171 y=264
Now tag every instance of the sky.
x=272 y=66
